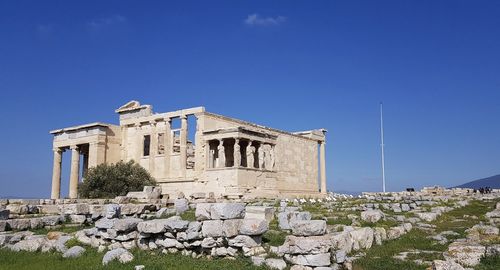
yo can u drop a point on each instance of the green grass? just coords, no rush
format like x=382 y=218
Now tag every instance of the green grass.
x=189 y=215
x=274 y=225
x=73 y=242
x=454 y=220
x=274 y=238
x=489 y=263
x=381 y=257
x=381 y=223
x=63 y=228
x=339 y=220
x=425 y=256
x=91 y=259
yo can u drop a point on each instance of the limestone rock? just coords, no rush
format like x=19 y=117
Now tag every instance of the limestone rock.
x=75 y=209
x=308 y=227
x=362 y=238
x=466 y=254
x=279 y=264
x=74 y=252
x=379 y=235
x=120 y=254
x=303 y=267
x=342 y=241
x=493 y=250
x=485 y=229
x=208 y=242
x=17 y=209
x=30 y=245
x=262 y=212
x=257 y=260
x=181 y=205
x=83 y=238
x=287 y=217
x=105 y=223
x=446 y=265
x=3 y=225
x=340 y=256
x=212 y=228
x=395 y=232
x=227 y=210
x=173 y=225
x=165 y=212
x=245 y=241
x=113 y=211
x=231 y=227
x=427 y=216
x=19 y=224
x=168 y=243
x=126 y=224
x=310 y=259
x=202 y=211
x=372 y=216
x=252 y=226
x=306 y=245
x=152 y=226
x=52 y=220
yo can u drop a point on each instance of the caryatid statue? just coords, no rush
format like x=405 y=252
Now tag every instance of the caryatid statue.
x=237 y=153
x=250 y=155
x=267 y=156
x=272 y=158
x=221 y=155
x=260 y=151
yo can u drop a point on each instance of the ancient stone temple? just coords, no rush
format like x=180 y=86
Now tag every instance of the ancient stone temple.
x=227 y=156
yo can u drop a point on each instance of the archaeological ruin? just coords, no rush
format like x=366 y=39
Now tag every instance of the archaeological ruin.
x=229 y=157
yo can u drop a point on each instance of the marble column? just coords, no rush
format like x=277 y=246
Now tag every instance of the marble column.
x=139 y=143
x=200 y=146
x=153 y=148
x=237 y=153
x=56 y=174
x=168 y=146
x=73 y=178
x=322 y=167
x=183 y=146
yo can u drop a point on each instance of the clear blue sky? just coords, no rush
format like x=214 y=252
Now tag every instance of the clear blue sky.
x=292 y=65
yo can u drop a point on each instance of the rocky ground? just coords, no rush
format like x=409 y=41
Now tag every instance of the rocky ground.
x=417 y=230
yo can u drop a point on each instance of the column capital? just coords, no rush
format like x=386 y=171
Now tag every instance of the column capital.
x=74 y=147
x=236 y=140
x=57 y=149
x=183 y=117
x=167 y=120
x=153 y=122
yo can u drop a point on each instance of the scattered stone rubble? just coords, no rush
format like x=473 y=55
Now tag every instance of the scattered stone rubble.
x=232 y=228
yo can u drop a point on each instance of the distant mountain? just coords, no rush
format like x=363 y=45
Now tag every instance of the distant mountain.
x=492 y=182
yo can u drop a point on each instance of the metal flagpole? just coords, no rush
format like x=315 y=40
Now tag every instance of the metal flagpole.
x=382 y=146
